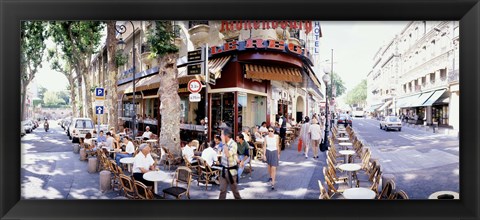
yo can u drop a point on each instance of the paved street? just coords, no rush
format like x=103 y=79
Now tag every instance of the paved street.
x=422 y=163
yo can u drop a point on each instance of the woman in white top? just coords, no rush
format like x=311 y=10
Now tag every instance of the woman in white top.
x=305 y=135
x=271 y=153
x=316 y=135
x=258 y=136
x=129 y=150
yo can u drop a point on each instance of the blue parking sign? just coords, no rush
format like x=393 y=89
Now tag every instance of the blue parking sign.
x=99 y=93
x=99 y=110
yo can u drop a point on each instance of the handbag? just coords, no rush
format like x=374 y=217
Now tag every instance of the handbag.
x=300 y=143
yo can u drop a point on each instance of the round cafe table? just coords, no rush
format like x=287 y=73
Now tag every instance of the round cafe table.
x=359 y=193
x=151 y=142
x=343 y=139
x=155 y=176
x=350 y=167
x=128 y=161
x=345 y=144
x=444 y=195
x=346 y=153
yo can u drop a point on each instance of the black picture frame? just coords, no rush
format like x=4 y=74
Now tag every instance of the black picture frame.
x=12 y=12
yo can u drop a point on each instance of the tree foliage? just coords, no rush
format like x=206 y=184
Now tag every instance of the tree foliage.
x=52 y=99
x=161 y=39
x=336 y=81
x=41 y=92
x=358 y=95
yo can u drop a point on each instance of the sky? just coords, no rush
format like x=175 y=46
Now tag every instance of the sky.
x=354 y=44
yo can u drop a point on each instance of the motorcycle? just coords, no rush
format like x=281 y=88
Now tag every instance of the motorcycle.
x=45 y=125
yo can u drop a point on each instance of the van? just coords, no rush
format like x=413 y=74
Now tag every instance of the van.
x=80 y=127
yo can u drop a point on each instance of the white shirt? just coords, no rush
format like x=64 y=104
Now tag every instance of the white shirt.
x=280 y=122
x=147 y=134
x=315 y=131
x=130 y=148
x=263 y=129
x=246 y=137
x=109 y=142
x=187 y=151
x=258 y=137
x=88 y=141
x=209 y=155
x=142 y=161
x=271 y=142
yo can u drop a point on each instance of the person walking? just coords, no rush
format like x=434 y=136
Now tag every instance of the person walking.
x=305 y=135
x=283 y=129
x=271 y=153
x=316 y=136
x=229 y=166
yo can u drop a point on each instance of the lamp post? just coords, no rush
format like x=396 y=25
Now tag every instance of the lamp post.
x=122 y=29
x=326 y=80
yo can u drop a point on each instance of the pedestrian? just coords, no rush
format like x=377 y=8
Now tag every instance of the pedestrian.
x=305 y=135
x=316 y=136
x=271 y=153
x=229 y=166
x=283 y=129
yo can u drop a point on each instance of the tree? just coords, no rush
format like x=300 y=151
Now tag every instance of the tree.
x=339 y=85
x=32 y=46
x=160 y=39
x=111 y=83
x=64 y=96
x=78 y=40
x=51 y=99
x=41 y=92
x=358 y=95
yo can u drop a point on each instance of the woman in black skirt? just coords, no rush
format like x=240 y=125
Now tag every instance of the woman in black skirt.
x=271 y=153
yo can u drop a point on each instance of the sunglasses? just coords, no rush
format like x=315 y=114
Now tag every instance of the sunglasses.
x=270 y=130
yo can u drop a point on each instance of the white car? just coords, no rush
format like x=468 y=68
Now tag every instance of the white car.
x=79 y=128
x=27 y=126
x=391 y=122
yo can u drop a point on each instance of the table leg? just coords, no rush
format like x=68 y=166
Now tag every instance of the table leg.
x=346 y=158
x=155 y=187
x=349 y=179
x=129 y=168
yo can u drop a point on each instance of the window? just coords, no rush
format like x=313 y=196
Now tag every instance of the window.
x=443 y=74
x=83 y=124
x=432 y=78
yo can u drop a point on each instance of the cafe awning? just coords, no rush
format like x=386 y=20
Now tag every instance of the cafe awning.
x=434 y=97
x=421 y=99
x=374 y=107
x=387 y=103
x=406 y=101
x=215 y=66
x=273 y=73
x=149 y=82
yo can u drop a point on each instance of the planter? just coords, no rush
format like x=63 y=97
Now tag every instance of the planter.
x=199 y=34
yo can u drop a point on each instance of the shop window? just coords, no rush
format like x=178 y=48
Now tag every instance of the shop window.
x=443 y=74
x=223 y=111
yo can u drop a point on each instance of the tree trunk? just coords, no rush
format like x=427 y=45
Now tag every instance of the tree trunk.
x=88 y=95
x=170 y=109
x=80 y=96
x=23 y=96
x=73 y=102
x=112 y=104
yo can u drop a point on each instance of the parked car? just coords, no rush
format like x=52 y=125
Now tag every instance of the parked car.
x=22 y=131
x=66 y=122
x=34 y=124
x=344 y=119
x=27 y=126
x=79 y=128
x=391 y=122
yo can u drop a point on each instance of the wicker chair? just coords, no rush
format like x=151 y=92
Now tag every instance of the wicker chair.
x=331 y=184
x=400 y=195
x=388 y=191
x=128 y=186
x=169 y=159
x=323 y=191
x=206 y=172
x=195 y=168
x=144 y=193
x=183 y=175
x=259 y=150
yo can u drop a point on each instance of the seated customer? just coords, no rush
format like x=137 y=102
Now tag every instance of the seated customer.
x=243 y=154
x=129 y=150
x=188 y=153
x=143 y=163
x=147 y=134
x=88 y=141
x=258 y=136
x=110 y=143
x=101 y=139
x=210 y=155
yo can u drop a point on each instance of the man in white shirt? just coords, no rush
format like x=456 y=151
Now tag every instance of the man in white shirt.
x=188 y=153
x=147 y=134
x=316 y=136
x=210 y=155
x=109 y=143
x=143 y=163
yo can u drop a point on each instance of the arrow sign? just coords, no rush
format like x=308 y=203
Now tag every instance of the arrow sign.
x=99 y=110
x=99 y=93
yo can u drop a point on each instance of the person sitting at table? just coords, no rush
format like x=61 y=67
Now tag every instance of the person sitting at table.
x=111 y=143
x=89 y=141
x=129 y=150
x=147 y=134
x=263 y=129
x=247 y=136
x=101 y=139
x=210 y=155
x=258 y=136
x=243 y=156
x=218 y=143
x=188 y=152
x=143 y=163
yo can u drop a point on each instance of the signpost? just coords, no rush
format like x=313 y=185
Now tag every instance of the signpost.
x=99 y=105
x=194 y=97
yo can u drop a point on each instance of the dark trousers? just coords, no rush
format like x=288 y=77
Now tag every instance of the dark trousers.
x=224 y=183
x=139 y=177
x=283 y=134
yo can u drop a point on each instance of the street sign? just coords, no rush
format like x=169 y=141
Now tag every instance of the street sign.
x=99 y=93
x=211 y=78
x=194 y=86
x=195 y=56
x=99 y=110
x=195 y=69
x=99 y=102
x=194 y=97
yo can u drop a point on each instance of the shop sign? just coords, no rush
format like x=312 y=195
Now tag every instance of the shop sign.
x=195 y=56
x=195 y=97
x=260 y=44
x=316 y=37
x=264 y=25
x=195 y=69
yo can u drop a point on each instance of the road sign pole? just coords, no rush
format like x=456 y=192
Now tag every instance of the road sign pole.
x=98 y=125
x=207 y=76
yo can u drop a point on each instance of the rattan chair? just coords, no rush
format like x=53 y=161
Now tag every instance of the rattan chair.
x=323 y=191
x=128 y=186
x=144 y=193
x=206 y=173
x=183 y=175
x=331 y=184
x=259 y=150
x=169 y=159
x=400 y=195
x=388 y=192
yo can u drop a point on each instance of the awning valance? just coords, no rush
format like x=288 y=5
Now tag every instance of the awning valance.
x=421 y=99
x=273 y=73
x=405 y=102
x=216 y=65
x=434 y=97
x=149 y=82
x=387 y=103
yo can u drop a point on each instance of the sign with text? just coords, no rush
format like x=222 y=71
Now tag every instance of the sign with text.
x=194 y=86
x=249 y=25
x=211 y=78
x=195 y=56
x=195 y=97
x=317 y=34
x=195 y=69
x=99 y=93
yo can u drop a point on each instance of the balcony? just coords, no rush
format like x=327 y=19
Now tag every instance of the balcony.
x=145 y=54
x=453 y=76
x=199 y=31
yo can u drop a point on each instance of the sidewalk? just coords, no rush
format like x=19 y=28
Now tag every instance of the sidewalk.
x=64 y=176
x=439 y=130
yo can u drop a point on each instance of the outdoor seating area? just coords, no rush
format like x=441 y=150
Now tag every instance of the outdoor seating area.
x=351 y=173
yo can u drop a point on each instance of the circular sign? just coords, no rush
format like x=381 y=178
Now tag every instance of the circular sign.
x=194 y=86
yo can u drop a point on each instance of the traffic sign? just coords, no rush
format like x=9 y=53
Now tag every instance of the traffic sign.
x=211 y=78
x=99 y=102
x=99 y=110
x=195 y=97
x=194 y=86
x=195 y=69
x=99 y=93
x=195 y=56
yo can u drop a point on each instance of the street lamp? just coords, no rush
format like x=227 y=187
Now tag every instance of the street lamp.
x=326 y=79
x=122 y=29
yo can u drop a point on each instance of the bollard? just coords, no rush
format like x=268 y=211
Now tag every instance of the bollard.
x=105 y=183
x=92 y=164
x=386 y=178
x=83 y=154
x=76 y=148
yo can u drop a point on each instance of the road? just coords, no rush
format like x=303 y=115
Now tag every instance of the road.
x=422 y=162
